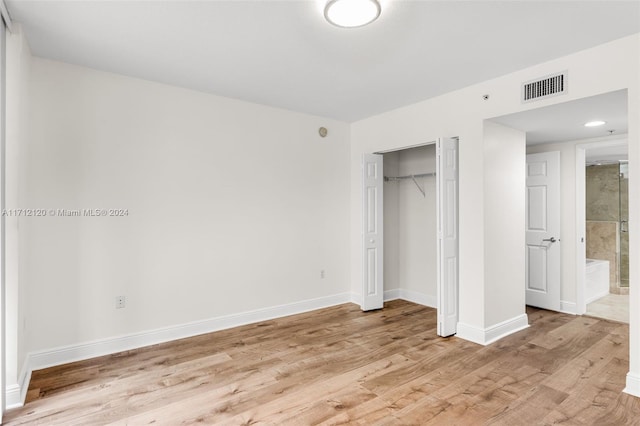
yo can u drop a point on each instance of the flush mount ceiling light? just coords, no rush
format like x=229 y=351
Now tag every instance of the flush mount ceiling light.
x=595 y=123
x=351 y=13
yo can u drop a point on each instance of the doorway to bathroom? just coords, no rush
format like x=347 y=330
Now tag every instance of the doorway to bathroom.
x=561 y=128
x=602 y=190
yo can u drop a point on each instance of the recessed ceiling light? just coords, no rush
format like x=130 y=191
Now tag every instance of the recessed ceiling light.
x=351 y=13
x=595 y=123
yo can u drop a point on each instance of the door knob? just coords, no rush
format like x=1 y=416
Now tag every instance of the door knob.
x=551 y=240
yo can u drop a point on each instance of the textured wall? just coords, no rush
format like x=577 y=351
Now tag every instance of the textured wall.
x=607 y=201
x=603 y=193
x=602 y=243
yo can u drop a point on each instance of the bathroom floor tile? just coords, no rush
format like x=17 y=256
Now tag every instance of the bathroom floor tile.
x=613 y=307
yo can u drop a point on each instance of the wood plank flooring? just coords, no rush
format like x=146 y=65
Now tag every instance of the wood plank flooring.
x=342 y=366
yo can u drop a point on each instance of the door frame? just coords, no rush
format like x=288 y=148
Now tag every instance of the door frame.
x=581 y=220
x=363 y=260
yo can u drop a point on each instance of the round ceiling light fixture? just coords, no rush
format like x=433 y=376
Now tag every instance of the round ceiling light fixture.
x=351 y=13
x=595 y=123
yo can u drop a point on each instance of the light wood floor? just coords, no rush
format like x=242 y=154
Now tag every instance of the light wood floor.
x=339 y=366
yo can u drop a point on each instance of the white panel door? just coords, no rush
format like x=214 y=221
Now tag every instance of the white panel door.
x=372 y=232
x=543 y=230
x=447 y=213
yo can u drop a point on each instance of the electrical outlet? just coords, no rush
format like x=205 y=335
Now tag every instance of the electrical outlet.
x=322 y=273
x=120 y=302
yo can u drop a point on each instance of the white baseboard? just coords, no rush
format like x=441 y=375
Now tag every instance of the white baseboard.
x=633 y=384
x=419 y=298
x=13 y=399
x=410 y=296
x=16 y=393
x=494 y=333
x=391 y=294
x=568 y=307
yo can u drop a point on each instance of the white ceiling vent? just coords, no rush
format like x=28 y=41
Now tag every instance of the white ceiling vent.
x=545 y=87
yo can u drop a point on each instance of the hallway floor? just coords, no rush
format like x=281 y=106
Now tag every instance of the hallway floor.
x=612 y=307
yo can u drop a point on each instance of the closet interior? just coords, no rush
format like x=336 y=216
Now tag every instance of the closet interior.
x=410 y=238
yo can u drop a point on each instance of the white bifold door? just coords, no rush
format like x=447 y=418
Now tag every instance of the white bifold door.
x=447 y=217
x=543 y=230
x=447 y=222
x=372 y=232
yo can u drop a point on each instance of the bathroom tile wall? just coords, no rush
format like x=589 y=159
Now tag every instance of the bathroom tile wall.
x=604 y=205
x=603 y=193
x=602 y=244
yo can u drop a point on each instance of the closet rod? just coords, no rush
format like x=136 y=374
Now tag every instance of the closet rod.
x=413 y=178
x=392 y=178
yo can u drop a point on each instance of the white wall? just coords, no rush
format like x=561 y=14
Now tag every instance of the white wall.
x=417 y=225
x=633 y=378
x=461 y=113
x=232 y=206
x=504 y=207
x=18 y=62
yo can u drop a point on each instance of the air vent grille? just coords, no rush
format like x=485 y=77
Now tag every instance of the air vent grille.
x=545 y=87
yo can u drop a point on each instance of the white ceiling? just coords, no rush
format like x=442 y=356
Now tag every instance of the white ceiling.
x=283 y=53
x=565 y=121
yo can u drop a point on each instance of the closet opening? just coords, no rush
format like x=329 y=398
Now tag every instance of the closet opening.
x=410 y=225
x=410 y=229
